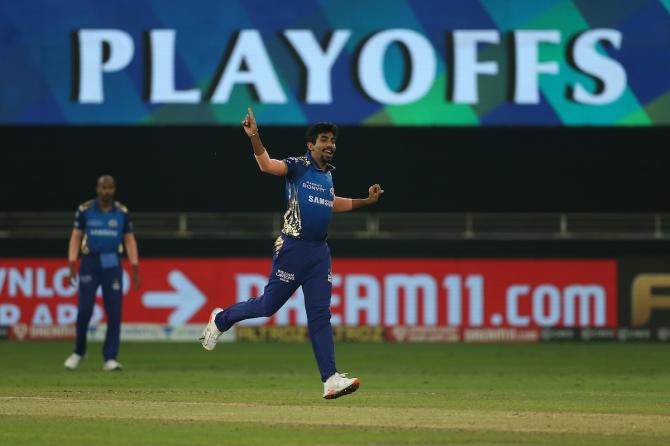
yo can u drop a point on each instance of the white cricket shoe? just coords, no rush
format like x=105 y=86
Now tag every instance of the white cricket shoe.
x=72 y=361
x=112 y=365
x=339 y=385
x=211 y=332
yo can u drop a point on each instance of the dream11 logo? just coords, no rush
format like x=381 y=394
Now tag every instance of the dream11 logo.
x=99 y=52
x=649 y=292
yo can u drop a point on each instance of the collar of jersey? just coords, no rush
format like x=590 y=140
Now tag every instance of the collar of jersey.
x=329 y=167
x=96 y=206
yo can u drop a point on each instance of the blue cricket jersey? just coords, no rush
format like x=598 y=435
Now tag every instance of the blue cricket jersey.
x=103 y=231
x=309 y=198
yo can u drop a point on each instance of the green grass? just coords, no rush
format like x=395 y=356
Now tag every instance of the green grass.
x=270 y=394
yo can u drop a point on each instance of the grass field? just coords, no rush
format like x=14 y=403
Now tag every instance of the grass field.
x=270 y=394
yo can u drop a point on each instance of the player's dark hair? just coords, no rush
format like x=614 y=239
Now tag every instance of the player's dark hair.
x=105 y=177
x=320 y=127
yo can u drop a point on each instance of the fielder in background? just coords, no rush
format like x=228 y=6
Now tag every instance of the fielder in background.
x=101 y=228
x=301 y=257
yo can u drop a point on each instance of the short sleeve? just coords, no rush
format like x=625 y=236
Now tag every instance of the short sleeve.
x=127 y=224
x=79 y=220
x=293 y=164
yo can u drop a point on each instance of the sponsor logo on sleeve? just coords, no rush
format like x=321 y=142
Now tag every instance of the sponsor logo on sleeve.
x=285 y=276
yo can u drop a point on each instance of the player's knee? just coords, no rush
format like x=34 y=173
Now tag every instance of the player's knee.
x=320 y=317
x=268 y=310
x=84 y=315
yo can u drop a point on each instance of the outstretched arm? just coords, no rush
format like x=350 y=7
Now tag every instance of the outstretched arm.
x=349 y=204
x=266 y=164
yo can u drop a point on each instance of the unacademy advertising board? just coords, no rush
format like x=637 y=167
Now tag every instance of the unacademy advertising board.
x=356 y=62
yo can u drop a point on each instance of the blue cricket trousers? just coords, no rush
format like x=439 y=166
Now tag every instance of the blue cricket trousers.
x=92 y=275
x=295 y=263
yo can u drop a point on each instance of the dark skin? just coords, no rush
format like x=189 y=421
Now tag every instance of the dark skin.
x=323 y=152
x=106 y=189
x=323 y=149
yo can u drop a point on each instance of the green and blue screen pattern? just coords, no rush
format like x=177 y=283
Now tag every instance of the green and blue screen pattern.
x=380 y=63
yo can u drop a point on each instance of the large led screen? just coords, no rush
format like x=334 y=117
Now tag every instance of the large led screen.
x=356 y=62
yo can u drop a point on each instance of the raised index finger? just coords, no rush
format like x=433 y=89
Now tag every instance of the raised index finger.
x=251 y=113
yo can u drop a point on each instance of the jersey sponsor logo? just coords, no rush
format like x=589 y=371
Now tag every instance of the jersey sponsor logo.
x=92 y=222
x=321 y=201
x=313 y=186
x=105 y=232
x=284 y=276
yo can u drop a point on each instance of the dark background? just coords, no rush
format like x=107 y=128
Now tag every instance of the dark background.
x=211 y=169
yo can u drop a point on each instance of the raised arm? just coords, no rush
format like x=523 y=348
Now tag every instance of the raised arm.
x=266 y=164
x=349 y=204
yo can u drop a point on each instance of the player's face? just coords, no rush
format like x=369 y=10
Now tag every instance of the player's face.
x=106 y=190
x=324 y=148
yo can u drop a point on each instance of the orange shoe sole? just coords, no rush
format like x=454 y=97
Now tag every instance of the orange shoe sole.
x=346 y=391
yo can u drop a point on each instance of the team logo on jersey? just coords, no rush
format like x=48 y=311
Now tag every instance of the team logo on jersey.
x=332 y=191
x=116 y=285
x=113 y=223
